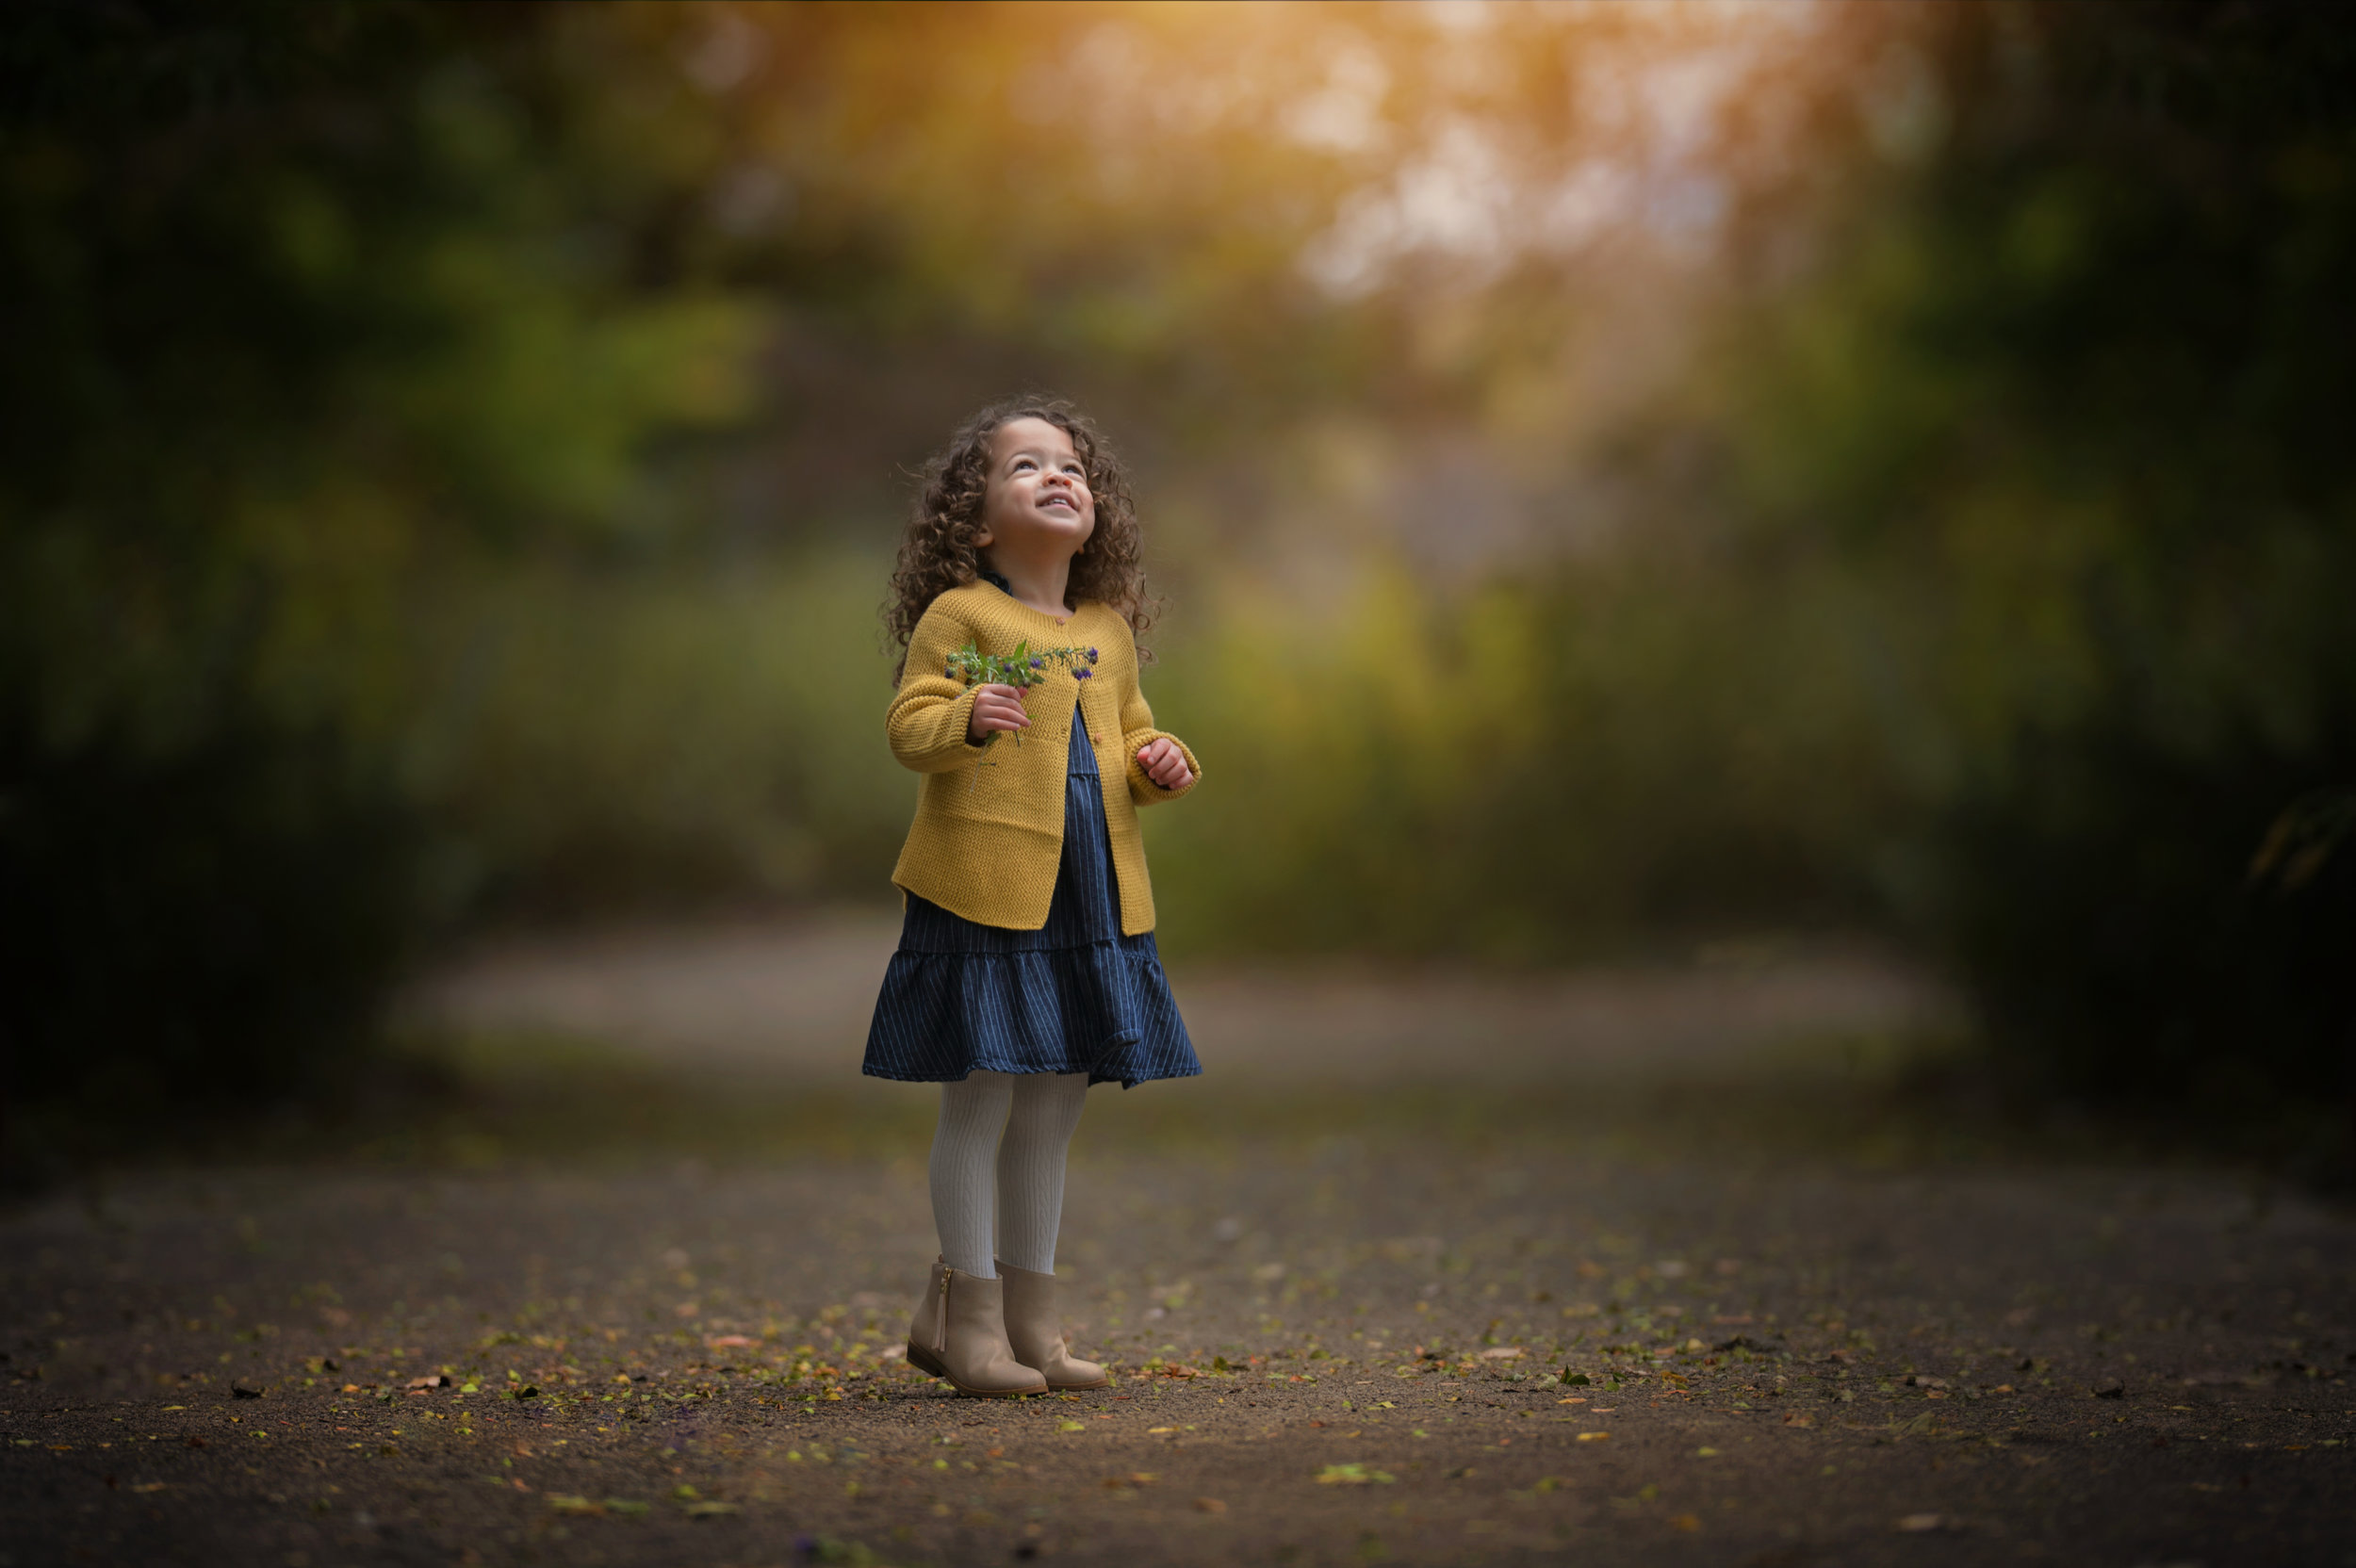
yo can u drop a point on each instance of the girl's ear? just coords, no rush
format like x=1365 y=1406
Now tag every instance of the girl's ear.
x=983 y=540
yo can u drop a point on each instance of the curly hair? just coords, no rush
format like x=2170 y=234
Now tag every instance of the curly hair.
x=938 y=553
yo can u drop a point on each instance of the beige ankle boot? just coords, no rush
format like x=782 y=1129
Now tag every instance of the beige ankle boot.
x=960 y=1333
x=1036 y=1331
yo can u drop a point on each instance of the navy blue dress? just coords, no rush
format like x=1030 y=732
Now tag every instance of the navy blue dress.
x=1074 y=996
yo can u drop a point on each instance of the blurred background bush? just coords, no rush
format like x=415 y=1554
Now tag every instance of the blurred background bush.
x=1623 y=474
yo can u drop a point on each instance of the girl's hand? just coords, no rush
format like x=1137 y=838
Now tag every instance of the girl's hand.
x=996 y=707
x=1165 y=765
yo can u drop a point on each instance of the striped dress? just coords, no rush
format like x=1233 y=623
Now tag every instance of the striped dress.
x=1074 y=996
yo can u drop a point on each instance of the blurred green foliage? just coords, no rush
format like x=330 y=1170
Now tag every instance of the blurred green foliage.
x=1622 y=472
x=314 y=339
x=1584 y=763
x=2074 y=402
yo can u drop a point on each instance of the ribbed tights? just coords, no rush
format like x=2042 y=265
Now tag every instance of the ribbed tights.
x=1003 y=1137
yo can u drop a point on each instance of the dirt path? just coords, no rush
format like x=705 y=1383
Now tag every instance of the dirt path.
x=793 y=999
x=1336 y=1345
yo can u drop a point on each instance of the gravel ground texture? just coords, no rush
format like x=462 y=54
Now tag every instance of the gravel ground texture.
x=1336 y=1353
x=651 y=1310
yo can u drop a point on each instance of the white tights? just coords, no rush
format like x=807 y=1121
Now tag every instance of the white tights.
x=1012 y=1126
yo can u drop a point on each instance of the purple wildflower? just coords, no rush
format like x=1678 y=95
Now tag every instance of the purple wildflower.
x=1091 y=655
x=1081 y=675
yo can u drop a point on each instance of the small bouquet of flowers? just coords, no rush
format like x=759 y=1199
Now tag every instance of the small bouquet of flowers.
x=1023 y=669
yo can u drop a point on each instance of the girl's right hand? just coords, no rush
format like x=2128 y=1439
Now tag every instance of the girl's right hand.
x=996 y=707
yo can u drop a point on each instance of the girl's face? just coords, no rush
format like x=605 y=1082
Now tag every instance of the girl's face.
x=1038 y=498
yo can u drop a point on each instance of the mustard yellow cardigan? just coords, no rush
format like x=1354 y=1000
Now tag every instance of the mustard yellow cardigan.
x=989 y=829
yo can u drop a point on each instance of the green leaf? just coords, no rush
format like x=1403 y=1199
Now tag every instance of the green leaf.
x=1353 y=1475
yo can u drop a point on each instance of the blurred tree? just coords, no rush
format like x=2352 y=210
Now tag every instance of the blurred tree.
x=2073 y=391
x=308 y=319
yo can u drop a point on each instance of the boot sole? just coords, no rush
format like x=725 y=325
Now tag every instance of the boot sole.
x=924 y=1361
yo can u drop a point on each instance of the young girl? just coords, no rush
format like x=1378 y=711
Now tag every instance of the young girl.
x=1026 y=970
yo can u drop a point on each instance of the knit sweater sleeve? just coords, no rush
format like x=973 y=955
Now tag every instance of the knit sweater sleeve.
x=1136 y=733
x=927 y=723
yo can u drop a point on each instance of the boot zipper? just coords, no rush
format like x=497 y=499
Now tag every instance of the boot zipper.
x=941 y=1318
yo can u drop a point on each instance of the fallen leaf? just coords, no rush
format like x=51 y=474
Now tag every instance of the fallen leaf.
x=1923 y=1524
x=244 y=1392
x=1686 y=1522
x=1210 y=1505
x=1353 y=1475
x=1592 y=1437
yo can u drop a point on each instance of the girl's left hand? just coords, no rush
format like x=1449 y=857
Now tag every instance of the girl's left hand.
x=1165 y=765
